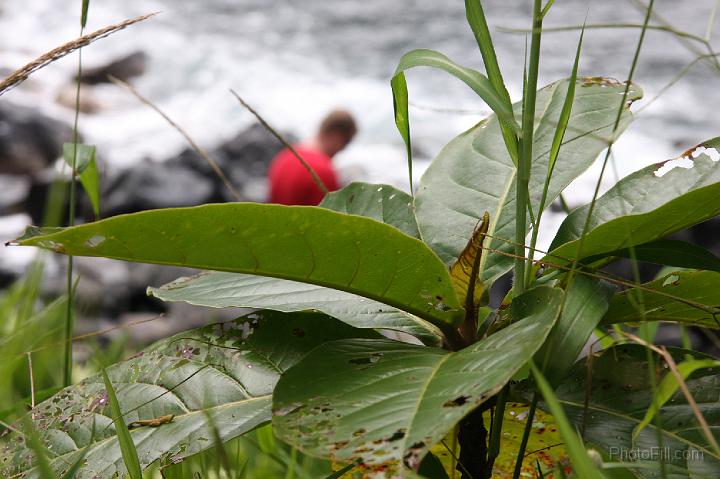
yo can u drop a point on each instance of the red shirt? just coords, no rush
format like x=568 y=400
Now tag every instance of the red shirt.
x=290 y=182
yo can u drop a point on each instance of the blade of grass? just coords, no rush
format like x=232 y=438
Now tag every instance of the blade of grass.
x=38 y=449
x=669 y=385
x=650 y=358
x=402 y=119
x=584 y=467
x=555 y=150
x=221 y=454
x=526 y=149
x=127 y=446
x=478 y=24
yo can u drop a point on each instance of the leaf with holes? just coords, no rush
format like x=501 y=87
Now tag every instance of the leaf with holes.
x=228 y=290
x=226 y=372
x=474 y=172
x=645 y=206
x=308 y=244
x=689 y=297
x=386 y=403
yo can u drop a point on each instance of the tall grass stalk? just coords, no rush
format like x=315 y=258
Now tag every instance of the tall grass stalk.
x=522 y=200
x=70 y=315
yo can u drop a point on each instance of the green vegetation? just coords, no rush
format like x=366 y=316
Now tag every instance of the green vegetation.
x=307 y=386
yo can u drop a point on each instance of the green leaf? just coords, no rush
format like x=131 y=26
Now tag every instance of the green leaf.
x=231 y=290
x=402 y=118
x=582 y=464
x=669 y=252
x=586 y=302
x=86 y=169
x=690 y=297
x=308 y=244
x=620 y=395
x=478 y=82
x=474 y=174
x=127 y=446
x=383 y=203
x=669 y=386
x=386 y=403
x=476 y=19
x=645 y=206
x=226 y=371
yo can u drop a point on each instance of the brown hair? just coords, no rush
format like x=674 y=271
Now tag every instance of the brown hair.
x=339 y=121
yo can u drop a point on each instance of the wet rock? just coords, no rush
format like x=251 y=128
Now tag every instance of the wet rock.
x=152 y=185
x=124 y=68
x=29 y=140
x=244 y=159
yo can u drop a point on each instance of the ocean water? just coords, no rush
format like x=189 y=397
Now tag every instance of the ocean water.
x=295 y=59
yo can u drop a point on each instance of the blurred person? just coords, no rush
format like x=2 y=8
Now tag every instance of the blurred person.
x=291 y=183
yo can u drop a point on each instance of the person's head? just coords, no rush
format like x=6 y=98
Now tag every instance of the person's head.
x=336 y=131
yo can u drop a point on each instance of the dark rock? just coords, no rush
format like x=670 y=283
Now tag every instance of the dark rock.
x=152 y=185
x=29 y=140
x=124 y=68
x=244 y=159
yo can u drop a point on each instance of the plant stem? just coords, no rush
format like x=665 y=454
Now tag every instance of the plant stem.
x=526 y=151
x=70 y=316
x=496 y=427
x=526 y=436
x=472 y=437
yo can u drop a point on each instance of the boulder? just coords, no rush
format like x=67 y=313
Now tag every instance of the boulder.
x=124 y=68
x=29 y=140
x=151 y=185
x=244 y=159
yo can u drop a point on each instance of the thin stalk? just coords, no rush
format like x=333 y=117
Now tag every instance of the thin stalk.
x=554 y=152
x=69 y=314
x=593 y=26
x=496 y=427
x=525 y=437
x=316 y=179
x=636 y=56
x=526 y=150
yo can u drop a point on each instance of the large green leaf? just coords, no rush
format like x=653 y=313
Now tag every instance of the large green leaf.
x=586 y=303
x=226 y=371
x=645 y=206
x=226 y=290
x=386 y=403
x=384 y=203
x=308 y=244
x=620 y=395
x=474 y=172
x=669 y=253
x=690 y=297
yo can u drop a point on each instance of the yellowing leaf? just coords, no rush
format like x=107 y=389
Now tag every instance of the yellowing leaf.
x=465 y=271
